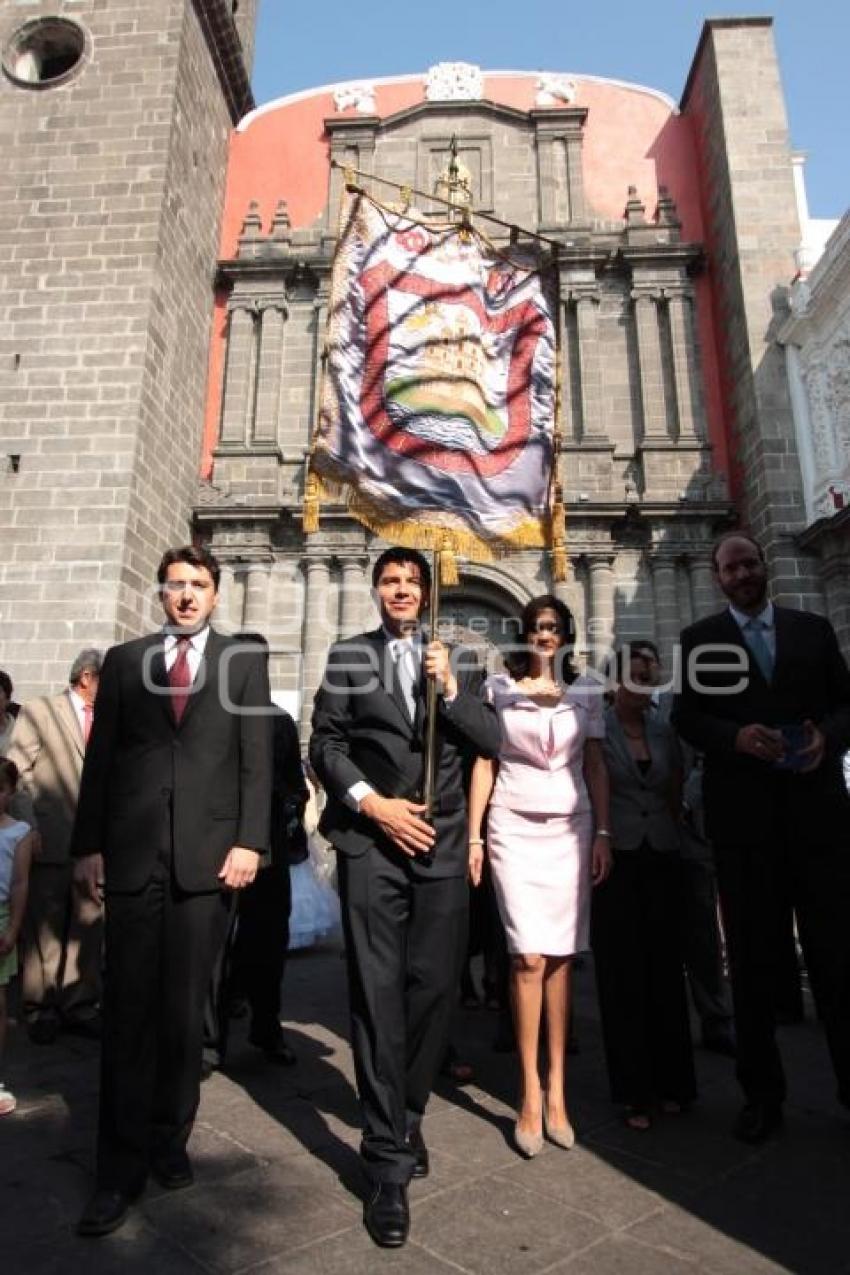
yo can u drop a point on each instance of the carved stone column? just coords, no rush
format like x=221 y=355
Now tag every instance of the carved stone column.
x=272 y=320
x=663 y=571
x=239 y=377
x=352 y=587
x=600 y=622
x=704 y=597
x=685 y=369
x=255 y=615
x=649 y=357
x=560 y=177
x=227 y=609
x=590 y=372
x=317 y=639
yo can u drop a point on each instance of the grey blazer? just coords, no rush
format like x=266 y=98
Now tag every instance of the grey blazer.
x=640 y=804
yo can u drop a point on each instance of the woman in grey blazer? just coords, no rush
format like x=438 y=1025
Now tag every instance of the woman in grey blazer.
x=635 y=920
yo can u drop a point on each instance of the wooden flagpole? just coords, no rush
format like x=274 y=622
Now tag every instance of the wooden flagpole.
x=429 y=757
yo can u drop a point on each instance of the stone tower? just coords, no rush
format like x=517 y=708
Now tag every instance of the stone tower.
x=114 y=126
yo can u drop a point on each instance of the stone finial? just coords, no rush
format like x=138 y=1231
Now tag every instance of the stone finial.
x=665 y=209
x=635 y=211
x=252 y=226
x=359 y=97
x=553 y=90
x=454 y=82
x=281 y=228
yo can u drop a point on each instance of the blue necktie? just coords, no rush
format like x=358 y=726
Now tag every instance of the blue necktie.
x=759 y=648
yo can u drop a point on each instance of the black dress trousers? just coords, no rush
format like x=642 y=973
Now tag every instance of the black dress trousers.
x=161 y=944
x=406 y=938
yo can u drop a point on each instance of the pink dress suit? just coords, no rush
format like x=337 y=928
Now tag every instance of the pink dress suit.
x=540 y=823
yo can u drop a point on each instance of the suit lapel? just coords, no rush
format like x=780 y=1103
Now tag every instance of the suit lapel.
x=159 y=677
x=733 y=636
x=388 y=674
x=782 y=624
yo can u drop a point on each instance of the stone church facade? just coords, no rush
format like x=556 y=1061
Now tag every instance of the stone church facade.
x=168 y=298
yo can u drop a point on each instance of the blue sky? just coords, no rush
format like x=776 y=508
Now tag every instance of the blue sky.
x=302 y=45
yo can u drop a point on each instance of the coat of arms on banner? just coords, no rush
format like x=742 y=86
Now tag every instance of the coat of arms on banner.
x=438 y=403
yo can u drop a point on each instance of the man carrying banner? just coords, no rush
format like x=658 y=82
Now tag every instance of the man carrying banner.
x=402 y=878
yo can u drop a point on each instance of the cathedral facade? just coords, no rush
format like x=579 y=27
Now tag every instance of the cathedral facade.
x=168 y=329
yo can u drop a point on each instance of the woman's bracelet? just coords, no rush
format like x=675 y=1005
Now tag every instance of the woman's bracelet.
x=476 y=841
x=603 y=832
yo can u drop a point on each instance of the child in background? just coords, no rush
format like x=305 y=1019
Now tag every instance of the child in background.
x=15 y=856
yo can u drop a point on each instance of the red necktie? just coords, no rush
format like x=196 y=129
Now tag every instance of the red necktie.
x=180 y=679
x=87 y=719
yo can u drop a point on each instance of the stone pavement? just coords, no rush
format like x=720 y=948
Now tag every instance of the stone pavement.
x=277 y=1179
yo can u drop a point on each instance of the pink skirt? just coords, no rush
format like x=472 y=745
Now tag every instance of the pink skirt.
x=541 y=874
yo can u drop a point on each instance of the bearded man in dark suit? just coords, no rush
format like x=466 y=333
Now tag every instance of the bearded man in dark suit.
x=402 y=878
x=766 y=697
x=173 y=816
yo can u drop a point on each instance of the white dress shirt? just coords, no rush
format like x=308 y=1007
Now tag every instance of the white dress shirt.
x=197 y=646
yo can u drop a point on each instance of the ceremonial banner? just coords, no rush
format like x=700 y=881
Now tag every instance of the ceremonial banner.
x=438 y=404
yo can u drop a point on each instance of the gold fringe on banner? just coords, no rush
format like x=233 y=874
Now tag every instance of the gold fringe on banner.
x=448 y=564
x=310 y=520
x=559 y=536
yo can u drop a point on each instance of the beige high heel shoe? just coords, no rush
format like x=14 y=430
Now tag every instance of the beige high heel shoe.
x=530 y=1144
x=563 y=1135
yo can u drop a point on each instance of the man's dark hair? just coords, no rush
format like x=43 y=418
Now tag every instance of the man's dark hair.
x=9 y=772
x=734 y=535
x=640 y=646
x=400 y=556
x=6 y=684
x=519 y=661
x=195 y=556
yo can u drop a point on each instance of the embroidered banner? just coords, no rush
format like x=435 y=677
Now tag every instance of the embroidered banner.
x=438 y=403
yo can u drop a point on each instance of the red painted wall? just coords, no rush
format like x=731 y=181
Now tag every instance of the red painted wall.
x=632 y=138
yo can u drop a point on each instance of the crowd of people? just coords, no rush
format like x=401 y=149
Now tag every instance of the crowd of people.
x=151 y=832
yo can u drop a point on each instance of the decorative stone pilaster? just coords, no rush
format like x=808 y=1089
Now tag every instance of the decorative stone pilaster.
x=273 y=314
x=685 y=369
x=227 y=612
x=316 y=638
x=649 y=357
x=240 y=373
x=560 y=179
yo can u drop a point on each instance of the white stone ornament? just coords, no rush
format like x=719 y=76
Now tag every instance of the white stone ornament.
x=359 y=96
x=552 y=90
x=454 y=82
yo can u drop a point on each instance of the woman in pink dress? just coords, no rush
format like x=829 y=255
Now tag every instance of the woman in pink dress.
x=547 y=843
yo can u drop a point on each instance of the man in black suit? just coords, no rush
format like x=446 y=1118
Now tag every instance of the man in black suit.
x=766 y=697
x=402 y=879
x=173 y=814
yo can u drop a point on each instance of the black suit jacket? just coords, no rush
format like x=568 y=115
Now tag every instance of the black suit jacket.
x=149 y=786
x=362 y=730
x=747 y=799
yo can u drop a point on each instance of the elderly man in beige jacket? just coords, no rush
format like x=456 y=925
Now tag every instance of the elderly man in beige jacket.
x=62 y=932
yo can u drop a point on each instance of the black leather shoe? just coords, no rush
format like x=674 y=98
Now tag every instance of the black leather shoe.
x=88 y=1028
x=105 y=1212
x=416 y=1142
x=276 y=1051
x=44 y=1029
x=173 y=1170
x=386 y=1215
x=756 y=1122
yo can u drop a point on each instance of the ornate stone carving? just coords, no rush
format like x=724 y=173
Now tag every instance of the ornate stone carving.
x=454 y=82
x=553 y=90
x=359 y=97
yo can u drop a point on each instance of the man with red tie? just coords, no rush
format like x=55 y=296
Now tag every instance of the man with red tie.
x=173 y=816
x=63 y=932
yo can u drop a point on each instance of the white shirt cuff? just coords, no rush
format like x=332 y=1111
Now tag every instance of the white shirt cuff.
x=356 y=793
